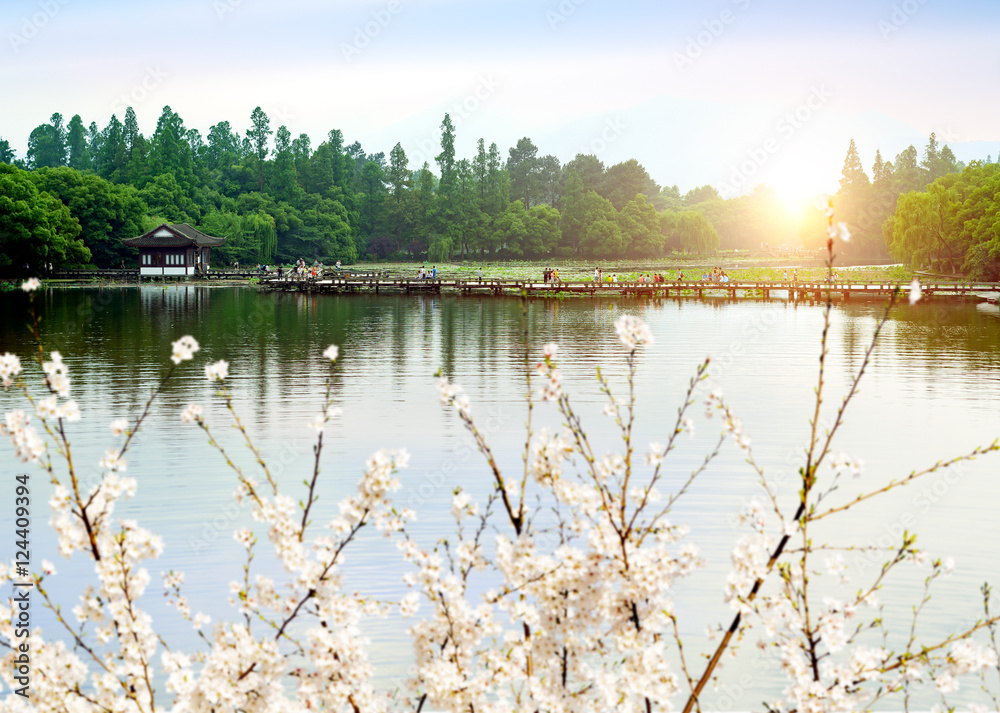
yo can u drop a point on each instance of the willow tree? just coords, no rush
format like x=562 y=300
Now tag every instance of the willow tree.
x=259 y=231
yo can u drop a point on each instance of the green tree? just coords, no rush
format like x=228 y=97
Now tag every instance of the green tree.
x=76 y=138
x=373 y=198
x=35 y=227
x=606 y=239
x=301 y=152
x=589 y=169
x=696 y=233
x=480 y=169
x=167 y=198
x=950 y=226
x=624 y=181
x=573 y=223
x=670 y=198
x=906 y=174
x=399 y=173
x=169 y=150
x=94 y=142
x=523 y=166
x=106 y=212
x=6 y=153
x=260 y=131
x=550 y=180
x=422 y=213
x=853 y=177
x=47 y=144
x=881 y=171
x=223 y=146
x=398 y=219
x=498 y=184
x=111 y=159
x=701 y=194
x=260 y=235
x=640 y=228
x=283 y=184
x=136 y=150
x=510 y=229
x=446 y=159
x=541 y=230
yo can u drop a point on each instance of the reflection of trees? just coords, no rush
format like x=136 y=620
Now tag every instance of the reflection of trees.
x=932 y=335
x=273 y=340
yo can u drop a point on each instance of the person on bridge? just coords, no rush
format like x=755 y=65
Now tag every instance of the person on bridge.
x=434 y=272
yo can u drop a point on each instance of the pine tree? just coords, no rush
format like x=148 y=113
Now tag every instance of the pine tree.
x=79 y=154
x=881 y=170
x=258 y=134
x=853 y=176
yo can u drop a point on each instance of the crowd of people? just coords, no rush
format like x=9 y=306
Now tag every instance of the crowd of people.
x=716 y=275
x=642 y=277
x=302 y=270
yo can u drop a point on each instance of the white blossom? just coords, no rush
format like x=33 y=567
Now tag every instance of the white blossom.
x=317 y=424
x=331 y=352
x=10 y=366
x=191 y=414
x=217 y=371
x=184 y=349
x=632 y=331
x=409 y=605
x=57 y=375
x=112 y=461
x=31 y=284
x=840 y=231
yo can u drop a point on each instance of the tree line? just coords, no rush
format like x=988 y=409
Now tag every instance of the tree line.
x=277 y=198
x=952 y=226
x=867 y=205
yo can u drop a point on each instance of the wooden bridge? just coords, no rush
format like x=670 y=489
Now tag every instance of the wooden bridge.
x=733 y=290
x=131 y=274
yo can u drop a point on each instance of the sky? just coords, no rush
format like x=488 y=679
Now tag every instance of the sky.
x=730 y=93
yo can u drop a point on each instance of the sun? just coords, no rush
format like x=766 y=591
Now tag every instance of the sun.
x=799 y=182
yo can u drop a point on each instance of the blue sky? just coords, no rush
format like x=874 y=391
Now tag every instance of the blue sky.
x=730 y=93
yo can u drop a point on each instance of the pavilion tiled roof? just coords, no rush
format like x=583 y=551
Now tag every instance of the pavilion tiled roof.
x=181 y=235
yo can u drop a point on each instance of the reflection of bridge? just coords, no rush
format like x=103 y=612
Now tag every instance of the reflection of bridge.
x=758 y=289
x=131 y=274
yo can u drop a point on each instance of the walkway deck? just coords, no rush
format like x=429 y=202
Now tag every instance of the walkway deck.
x=734 y=290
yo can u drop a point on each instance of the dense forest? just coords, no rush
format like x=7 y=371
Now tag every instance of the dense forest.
x=953 y=226
x=81 y=189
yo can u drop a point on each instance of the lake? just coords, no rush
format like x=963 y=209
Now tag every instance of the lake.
x=931 y=393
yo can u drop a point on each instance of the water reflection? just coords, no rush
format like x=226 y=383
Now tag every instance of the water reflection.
x=931 y=393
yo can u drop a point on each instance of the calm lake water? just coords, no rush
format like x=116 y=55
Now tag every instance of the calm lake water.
x=932 y=392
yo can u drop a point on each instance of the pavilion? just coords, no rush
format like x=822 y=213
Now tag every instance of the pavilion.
x=173 y=250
